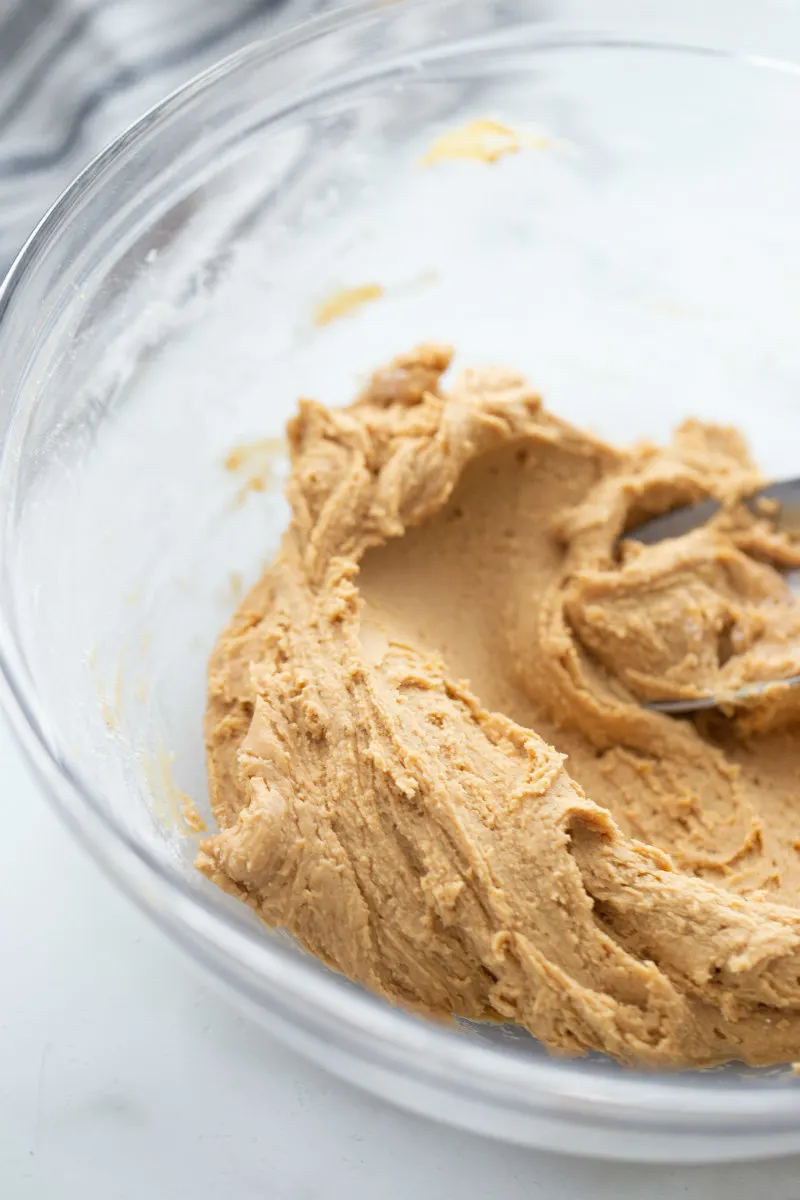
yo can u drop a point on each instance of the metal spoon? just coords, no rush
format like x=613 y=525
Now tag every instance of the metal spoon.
x=786 y=497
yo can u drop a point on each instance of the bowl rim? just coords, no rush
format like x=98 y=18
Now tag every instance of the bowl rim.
x=363 y=1024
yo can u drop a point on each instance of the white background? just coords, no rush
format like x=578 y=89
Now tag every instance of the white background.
x=124 y=1077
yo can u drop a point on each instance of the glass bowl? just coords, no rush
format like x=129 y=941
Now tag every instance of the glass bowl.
x=639 y=257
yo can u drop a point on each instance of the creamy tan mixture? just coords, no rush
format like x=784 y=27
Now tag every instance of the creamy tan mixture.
x=427 y=752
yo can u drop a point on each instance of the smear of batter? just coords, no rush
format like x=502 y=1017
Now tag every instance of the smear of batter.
x=427 y=754
x=483 y=141
x=345 y=302
x=175 y=809
x=255 y=462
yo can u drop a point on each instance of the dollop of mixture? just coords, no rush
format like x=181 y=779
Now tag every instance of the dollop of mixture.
x=427 y=748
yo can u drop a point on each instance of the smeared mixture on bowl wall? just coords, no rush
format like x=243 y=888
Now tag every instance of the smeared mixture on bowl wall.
x=427 y=751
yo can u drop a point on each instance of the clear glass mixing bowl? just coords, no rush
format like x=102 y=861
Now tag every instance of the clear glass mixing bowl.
x=641 y=263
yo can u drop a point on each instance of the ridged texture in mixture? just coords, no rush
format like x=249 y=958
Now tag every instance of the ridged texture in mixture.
x=427 y=753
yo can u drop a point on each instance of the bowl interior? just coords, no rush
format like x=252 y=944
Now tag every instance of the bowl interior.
x=638 y=258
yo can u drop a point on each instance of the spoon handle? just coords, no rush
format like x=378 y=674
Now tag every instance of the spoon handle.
x=785 y=495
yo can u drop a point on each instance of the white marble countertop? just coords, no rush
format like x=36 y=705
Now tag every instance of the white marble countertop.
x=124 y=1076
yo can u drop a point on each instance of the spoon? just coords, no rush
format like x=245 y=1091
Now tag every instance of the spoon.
x=785 y=497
